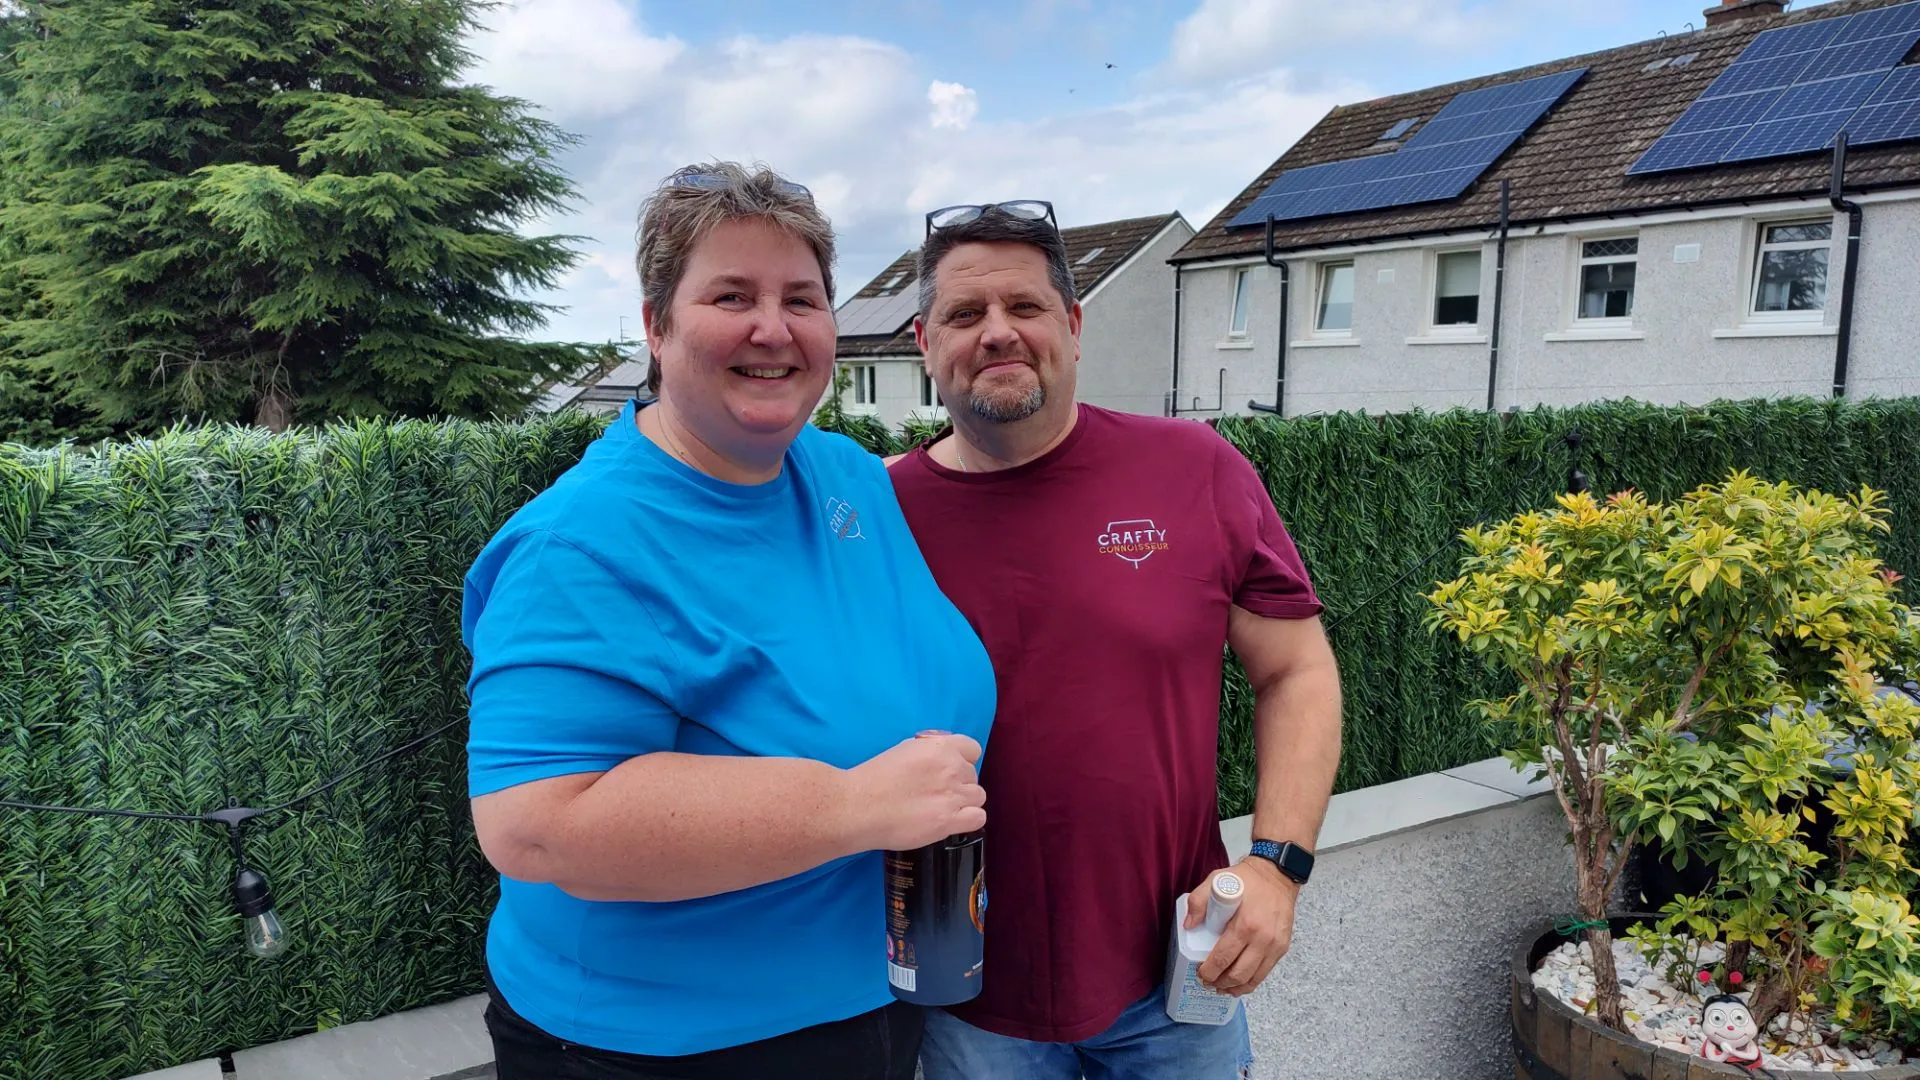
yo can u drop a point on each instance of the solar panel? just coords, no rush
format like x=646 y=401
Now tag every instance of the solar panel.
x=1887 y=20
x=877 y=314
x=1795 y=88
x=1442 y=159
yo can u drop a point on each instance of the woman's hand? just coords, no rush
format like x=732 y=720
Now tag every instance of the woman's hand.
x=923 y=790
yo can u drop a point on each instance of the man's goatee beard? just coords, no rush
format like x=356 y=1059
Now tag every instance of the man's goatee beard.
x=1001 y=411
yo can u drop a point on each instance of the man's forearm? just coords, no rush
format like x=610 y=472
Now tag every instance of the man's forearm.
x=1296 y=734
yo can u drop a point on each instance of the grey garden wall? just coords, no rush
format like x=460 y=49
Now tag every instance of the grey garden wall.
x=1398 y=969
x=1397 y=972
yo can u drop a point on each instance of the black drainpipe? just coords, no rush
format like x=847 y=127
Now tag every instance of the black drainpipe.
x=1854 y=221
x=1279 y=406
x=1173 y=392
x=1499 y=292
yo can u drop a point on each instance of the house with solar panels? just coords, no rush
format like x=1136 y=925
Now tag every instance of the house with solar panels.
x=1122 y=274
x=1727 y=213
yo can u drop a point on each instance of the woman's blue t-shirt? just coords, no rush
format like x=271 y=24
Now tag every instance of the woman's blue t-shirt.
x=639 y=606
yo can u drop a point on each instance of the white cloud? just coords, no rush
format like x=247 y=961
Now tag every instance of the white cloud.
x=1231 y=38
x=575 y=58
x=850 y=118
x=954 y=105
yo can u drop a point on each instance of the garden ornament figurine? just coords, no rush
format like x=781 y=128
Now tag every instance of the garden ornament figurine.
x=1729 y=1033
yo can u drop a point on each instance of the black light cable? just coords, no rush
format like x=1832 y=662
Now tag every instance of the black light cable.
x=252 y=898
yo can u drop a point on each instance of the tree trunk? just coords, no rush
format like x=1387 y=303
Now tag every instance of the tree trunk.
x=274 y=410
x=1590 y=871
x=1768 y=1000
x=1606 y=980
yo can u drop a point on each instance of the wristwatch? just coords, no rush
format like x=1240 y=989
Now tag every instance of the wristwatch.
x=1293 y=860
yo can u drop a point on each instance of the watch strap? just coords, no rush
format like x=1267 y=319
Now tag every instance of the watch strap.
x=1292 y=860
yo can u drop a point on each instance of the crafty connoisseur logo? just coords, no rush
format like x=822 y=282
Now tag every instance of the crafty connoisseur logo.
x=843 y=520
x=1134 y=541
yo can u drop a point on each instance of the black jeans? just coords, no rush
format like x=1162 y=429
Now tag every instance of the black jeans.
x=880 y=1045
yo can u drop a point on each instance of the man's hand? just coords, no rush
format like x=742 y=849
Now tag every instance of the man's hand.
x=1259 y=933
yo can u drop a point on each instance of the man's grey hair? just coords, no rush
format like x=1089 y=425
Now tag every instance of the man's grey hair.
x=678 y=215
x=996 y=226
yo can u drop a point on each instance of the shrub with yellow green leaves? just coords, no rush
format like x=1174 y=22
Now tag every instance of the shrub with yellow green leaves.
x=1706 y=676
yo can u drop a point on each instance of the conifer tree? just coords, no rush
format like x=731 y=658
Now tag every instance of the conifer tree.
x=270 y=212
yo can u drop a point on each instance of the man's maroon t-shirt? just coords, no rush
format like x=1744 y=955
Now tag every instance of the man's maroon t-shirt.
x=1099 y=576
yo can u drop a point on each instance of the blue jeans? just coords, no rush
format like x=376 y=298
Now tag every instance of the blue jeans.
x=1143 y=1044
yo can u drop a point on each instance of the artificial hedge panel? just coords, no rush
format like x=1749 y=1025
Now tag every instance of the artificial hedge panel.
x=220 y=614
x=217 y=615
x=1366 y=498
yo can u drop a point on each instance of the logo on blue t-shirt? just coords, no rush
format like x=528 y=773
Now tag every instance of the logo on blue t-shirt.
x=843 y=520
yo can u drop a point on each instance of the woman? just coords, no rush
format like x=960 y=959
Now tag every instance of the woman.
x=700 y=659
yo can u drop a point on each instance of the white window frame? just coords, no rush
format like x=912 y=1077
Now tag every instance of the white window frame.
x=1757 y=255
x=866 y=385
x=1433 y=326
x=1321 y=271
x=929 y=407
x=1581 y=260
x=1240 y=304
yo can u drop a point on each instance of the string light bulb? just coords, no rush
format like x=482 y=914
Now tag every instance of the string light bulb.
x=266 y=935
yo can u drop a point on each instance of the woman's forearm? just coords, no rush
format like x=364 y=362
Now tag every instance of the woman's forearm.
x=670 y=826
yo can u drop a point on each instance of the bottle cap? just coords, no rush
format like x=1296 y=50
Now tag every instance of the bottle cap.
x=1227 y=888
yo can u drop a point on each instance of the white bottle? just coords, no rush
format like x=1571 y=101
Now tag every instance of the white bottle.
x=1188 y=1001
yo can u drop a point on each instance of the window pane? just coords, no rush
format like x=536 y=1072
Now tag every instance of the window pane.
x=1459 y=273
x=1457 y=289
x=1606 y=249
x=1792 y=281
x=863 y=385
x=1239 y=323
x=1791 y=234
x=926 y=390
x=1606 y=291
x=1456 y=311
x=1336 y=297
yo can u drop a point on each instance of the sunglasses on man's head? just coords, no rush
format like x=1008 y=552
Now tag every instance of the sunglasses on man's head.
x=711 y=182
x=1025 y=209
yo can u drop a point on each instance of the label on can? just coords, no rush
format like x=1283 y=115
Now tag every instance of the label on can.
x=936 y=920
x=903 y=977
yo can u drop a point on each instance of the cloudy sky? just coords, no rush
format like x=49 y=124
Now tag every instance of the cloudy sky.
x=889 y=108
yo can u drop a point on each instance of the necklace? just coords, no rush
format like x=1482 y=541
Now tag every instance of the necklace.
x=960 y=457
x=672 y=445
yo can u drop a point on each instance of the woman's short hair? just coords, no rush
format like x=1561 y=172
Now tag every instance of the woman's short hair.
x=697 y=199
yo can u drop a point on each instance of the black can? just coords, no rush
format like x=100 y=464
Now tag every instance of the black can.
x=937 y=920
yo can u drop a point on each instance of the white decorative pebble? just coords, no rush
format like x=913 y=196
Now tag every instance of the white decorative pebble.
x=1659 y=1012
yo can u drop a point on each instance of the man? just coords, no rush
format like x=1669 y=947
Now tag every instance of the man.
x=1105 y=559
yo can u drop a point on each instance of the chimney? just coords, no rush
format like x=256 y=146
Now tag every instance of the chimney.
x=1730 y=11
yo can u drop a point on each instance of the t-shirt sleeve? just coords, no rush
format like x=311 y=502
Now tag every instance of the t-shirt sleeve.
x=1269 y=578
x=569 y=672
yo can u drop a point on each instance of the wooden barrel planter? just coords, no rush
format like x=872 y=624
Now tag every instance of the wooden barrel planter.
x=1551 y=1041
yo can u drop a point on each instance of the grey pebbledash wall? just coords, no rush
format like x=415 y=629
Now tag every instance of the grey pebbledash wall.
x=1690 y=340
x=1126 y=338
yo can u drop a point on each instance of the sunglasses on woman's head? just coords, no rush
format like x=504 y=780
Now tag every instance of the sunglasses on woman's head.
x=1025 y=209
x=710 y=182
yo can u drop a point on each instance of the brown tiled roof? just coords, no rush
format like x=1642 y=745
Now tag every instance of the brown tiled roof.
x=1114 y=240
x=1573 y=163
